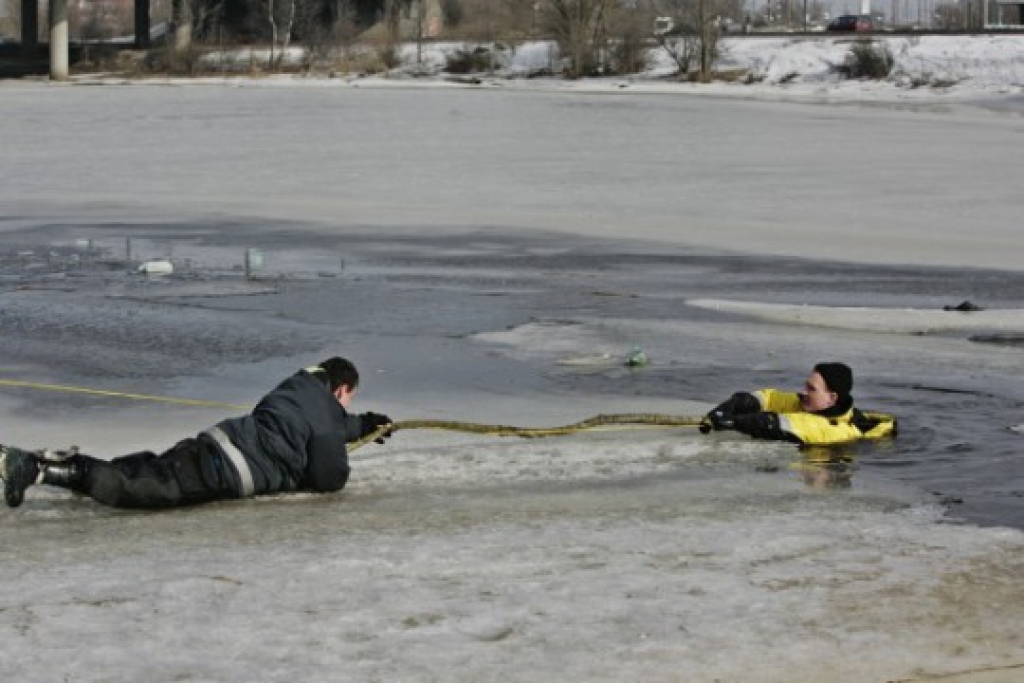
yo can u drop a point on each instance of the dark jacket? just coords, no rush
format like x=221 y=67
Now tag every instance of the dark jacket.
x=293 y=439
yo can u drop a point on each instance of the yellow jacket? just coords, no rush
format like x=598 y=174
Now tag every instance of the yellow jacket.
x=817 y=429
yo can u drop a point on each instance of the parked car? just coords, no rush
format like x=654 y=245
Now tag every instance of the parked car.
x=852 y=22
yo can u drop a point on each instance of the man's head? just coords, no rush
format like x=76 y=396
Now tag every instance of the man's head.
x=827 y=385
x=342 y=378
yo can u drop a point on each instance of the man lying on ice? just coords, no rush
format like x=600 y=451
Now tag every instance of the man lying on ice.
x=293 y=440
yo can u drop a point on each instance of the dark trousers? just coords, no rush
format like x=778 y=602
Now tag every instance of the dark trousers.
x=189 y=473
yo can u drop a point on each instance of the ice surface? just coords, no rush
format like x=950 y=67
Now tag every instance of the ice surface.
x=458 y=559
x=599 y=560
x=493 y=256
x=897 y=320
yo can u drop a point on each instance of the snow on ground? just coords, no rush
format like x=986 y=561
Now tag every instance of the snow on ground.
x=935 y=65
x=926 y=68
x=461 y=559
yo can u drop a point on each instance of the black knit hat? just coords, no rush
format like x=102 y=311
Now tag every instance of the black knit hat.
x=838 y=377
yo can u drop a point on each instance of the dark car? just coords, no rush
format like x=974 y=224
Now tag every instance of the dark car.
x=851 y=22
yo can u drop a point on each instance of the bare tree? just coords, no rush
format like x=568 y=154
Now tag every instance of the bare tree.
x=325 y=28
x=10 y=21
x=490 y=21
x=390 y=20
x=426 y=19
x=579 y=27
x=281 y=17
x=344 y=24
x=191 y=19
x=682 y=46
x=206 y=19
x=693 y=38
x=951 y=16
x=287 y=18
x=628 y=33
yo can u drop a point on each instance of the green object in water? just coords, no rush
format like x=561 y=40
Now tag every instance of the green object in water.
x=636 y=358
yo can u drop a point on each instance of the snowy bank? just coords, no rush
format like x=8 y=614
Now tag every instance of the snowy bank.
x=944 y=68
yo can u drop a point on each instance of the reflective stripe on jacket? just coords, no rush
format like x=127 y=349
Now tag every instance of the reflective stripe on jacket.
x=809 y=428
x=294 y=439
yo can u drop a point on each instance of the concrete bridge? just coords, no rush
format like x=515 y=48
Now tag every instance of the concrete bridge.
x=430 y=25
x=58 y=30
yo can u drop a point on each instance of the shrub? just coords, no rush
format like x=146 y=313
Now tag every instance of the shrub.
x=468 y=61
x=628 y=54
x=867 y=59
x=167 y=60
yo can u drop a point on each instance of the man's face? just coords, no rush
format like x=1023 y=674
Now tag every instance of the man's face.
x=344 y=395
x=816 y=394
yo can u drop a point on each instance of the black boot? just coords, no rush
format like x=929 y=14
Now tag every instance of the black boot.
x=19 y=469
x=67 y=474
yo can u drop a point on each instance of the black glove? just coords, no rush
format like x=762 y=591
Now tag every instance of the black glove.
x=723 y=416
x=760 y=426
x=716 y=421
x=371 y=422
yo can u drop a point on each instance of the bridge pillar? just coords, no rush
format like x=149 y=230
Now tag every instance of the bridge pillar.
x=29 y=24
x=59 y=40
x=141 y=24
x=181 y=19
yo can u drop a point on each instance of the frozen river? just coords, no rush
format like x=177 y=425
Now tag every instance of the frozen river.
x=494 y=256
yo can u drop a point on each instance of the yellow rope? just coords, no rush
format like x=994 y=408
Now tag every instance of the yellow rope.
x=121 y=394
x=626 y=420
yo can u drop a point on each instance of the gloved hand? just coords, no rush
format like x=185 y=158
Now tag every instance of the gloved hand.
x=716 y=421
x=760 y=426
x=371 y=422
x=724 y=415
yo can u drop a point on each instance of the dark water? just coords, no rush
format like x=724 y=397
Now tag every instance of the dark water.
x=413 y=304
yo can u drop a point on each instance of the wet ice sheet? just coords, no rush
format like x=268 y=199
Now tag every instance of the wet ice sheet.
x=855 y=183
x=897 y=320
x=661 y=557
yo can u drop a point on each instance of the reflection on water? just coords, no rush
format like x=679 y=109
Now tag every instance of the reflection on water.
x=825 y=467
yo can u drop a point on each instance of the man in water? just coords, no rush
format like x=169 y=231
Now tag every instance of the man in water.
x=822 y=415
x=293 y=440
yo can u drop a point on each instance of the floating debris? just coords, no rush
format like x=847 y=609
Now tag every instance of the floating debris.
x=159 y=267
x=636 y=358
x=964 y=307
